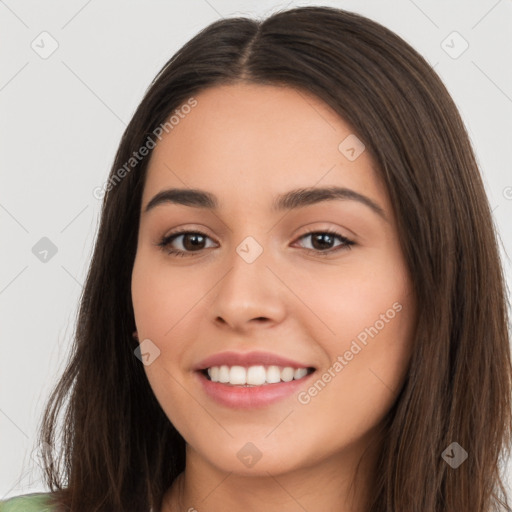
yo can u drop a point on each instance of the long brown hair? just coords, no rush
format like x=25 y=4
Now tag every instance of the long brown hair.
x=120 y=452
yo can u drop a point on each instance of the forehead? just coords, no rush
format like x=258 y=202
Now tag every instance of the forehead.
x=247 y=137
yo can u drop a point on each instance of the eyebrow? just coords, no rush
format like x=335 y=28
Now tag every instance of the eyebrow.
x=291 y=200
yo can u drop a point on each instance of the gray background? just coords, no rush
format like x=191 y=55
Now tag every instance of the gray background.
x=62 y=119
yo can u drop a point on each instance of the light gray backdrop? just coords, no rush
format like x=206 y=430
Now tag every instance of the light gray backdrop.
x=72 y=74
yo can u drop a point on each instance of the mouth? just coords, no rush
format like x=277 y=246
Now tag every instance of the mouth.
x=254 y=376
x=243 y=380
x=252 y=387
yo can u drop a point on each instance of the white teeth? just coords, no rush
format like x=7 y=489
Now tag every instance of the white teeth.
x=255 y=375
x=273 y=374
x=287 y=374
x=223 y=374
x=237 y=375
x=214 y=373
x=299 y=373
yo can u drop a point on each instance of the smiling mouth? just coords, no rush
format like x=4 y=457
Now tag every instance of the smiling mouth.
x=252 y=376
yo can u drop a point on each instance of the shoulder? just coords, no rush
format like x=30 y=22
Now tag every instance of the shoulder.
x=34 y=502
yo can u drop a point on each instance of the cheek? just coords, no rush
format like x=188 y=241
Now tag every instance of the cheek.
x=165 y=302
x=370 y=312
x=365 y=374
x=350 y=301
x=163 y=297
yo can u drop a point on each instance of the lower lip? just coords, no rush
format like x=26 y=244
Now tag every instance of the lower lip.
x=241 y=397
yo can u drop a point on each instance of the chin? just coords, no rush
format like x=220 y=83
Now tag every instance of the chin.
x=255 y=459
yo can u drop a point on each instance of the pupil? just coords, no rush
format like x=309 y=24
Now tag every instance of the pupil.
x=320 y=237
x=194 y=244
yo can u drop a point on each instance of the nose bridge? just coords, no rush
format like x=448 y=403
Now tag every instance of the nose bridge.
x=248 y=289
x=248 y=266
x=250 y=249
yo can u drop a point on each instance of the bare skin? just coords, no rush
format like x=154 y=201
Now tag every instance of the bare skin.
x=247 y=144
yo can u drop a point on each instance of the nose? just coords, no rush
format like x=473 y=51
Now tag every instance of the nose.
x=249 y=294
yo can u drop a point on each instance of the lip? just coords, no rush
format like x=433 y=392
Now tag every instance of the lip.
x=242 y=397
x=246 y=397
x=248 y=359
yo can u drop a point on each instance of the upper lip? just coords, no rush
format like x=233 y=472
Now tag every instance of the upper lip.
x=248 y=359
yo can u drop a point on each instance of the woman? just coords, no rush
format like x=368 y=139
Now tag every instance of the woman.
x=295 y=300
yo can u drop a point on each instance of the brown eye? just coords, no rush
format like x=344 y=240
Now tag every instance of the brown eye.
x=194 y=242
x=322 y=241
x=191 y=241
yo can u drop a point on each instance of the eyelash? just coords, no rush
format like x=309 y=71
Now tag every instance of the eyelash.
x=165 y=241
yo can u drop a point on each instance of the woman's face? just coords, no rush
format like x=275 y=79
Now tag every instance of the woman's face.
x=259 y=293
